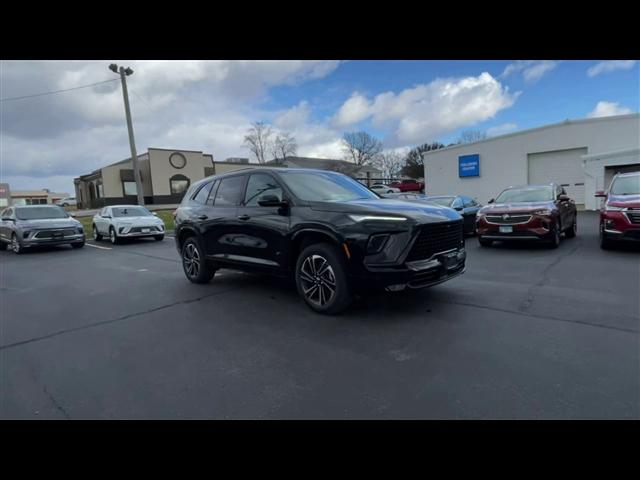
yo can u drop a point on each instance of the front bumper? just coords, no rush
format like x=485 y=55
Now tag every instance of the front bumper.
x=537 y=228
x=418 y=274
x=618 y=227
x=131 y=232
x=65 y=240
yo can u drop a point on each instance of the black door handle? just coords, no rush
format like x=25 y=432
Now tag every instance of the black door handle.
x=202 y=217
x=244 y=217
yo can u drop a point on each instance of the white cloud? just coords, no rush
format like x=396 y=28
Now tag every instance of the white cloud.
x=607 y=109
x=293 y=117
x=425 y=111
x=610 y=66
x=531 y=70
x=501 y=129
x=352 y=111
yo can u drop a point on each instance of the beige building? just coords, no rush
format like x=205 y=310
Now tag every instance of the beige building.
x=28 y=197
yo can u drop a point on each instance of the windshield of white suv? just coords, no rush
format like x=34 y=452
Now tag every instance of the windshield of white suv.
x=40 y=213
x=326 y=187
x=130 y=212
x=526 y=194
x=626 y=186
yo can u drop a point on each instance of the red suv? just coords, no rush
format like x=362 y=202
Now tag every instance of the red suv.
x=408 y=185
x=620 y=213
x=531 y=212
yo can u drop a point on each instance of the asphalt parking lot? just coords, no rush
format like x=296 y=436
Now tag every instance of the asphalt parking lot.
x=119 y=333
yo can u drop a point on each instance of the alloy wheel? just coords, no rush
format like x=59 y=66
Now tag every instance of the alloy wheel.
x=112 y=236
x=15 y=245
x=191 y=259
x=95 y=233
x=318 y=280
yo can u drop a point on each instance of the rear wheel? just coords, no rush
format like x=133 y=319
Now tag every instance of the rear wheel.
x=194 y=264
x=96 y=235
x=321 y=279
x=484 y=242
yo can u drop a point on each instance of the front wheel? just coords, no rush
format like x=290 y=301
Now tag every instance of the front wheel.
x=194 y=263
x=16 y=247
x=573 y=229
x=321 y=279
x=96 y=235
x=605 y=243
x=554 y=241
x=113 y=236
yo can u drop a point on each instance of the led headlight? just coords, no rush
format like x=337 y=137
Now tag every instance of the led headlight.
x=544 y=211
x=376 y=218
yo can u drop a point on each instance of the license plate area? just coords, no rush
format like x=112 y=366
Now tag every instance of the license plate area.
x=57 y=235
x=145 y=230
x=506 y=229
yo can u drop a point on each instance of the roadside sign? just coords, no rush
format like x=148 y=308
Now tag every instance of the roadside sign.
x=469 y=165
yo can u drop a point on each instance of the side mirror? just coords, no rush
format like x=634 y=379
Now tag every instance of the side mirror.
x=600 y=193
x=459 y=209
x=563 y=198
x=72 y=215
x=272 y=201
x=492 y=200
x=154 y=214
x=105 y=216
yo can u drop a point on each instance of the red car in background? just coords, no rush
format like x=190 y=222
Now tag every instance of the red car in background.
x=408 y=185
x=620 y=212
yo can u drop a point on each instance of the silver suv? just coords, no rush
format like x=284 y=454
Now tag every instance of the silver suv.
x=36 y=225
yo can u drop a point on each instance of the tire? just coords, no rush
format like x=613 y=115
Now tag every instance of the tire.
x=77 y=245
x=113 y=236
x=484 y=242
x=159 y=238
x=96 y=235
x=16 y=247
x=195 y=267
x=554 y=241
x=605 y=243
x=572 y=231
x=321 y=273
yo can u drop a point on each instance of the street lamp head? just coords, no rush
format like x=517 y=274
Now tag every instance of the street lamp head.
x=128 y=71
x=113 y=67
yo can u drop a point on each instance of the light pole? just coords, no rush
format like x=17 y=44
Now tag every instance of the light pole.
x=124 y=73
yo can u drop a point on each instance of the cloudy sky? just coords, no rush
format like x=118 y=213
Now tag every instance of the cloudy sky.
x=46 y=141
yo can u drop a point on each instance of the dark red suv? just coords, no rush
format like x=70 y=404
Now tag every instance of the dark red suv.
x=620 y=212
x=531 y=212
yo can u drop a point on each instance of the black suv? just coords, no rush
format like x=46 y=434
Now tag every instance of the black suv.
x=328 y=230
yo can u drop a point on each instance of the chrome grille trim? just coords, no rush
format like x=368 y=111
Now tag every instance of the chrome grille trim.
x=512 y=220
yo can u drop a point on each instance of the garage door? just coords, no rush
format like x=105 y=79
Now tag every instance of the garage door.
x=560 y=166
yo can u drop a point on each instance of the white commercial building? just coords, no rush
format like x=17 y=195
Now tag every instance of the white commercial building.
x=582 y=155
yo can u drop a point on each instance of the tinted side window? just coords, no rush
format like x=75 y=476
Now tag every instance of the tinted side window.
x=259 y=185
x=229 y=191
x=212 y=194
x=203 y=194
x=457 y=203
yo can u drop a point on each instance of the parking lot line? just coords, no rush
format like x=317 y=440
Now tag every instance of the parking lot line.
x=97 y=246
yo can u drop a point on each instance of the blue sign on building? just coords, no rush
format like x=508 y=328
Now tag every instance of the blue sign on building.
x=469 y=165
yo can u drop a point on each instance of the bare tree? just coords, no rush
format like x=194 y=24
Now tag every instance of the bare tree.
x=360 y=148
x=390 y=163
x=284 y=145
x=470 y=136
x=258 y=140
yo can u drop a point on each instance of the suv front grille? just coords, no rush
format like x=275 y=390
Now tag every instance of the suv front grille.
x=510 y=220
x=51 y=233
x=436 y=238
x=633 y=215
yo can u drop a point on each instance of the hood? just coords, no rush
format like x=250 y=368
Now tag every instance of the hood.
x=50 y=223
x=496 y=208
x=624 y=201
x=420 y=212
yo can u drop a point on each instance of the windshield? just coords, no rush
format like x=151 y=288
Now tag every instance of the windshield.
x=326 y=187
x=626 y=186
x=40 y=213
x=130 y=212
x=444 y=201
x=526 y=194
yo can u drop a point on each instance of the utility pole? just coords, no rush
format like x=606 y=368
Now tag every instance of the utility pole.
x=124 y=73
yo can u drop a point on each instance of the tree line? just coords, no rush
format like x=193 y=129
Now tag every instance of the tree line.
x=359 y=148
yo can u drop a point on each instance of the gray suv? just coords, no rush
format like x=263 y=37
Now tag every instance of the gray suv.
x=36 y=225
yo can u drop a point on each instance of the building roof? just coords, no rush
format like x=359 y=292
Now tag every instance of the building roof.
x=535 y=129
x=36 y=193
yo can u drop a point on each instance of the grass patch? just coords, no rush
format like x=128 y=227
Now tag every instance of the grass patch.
x=165 y=215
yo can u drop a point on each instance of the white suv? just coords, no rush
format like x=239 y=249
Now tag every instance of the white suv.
x=126 y=221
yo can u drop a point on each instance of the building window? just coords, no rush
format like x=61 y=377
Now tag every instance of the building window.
x=130 y=188
x=100 y=191
x=177 y=160
x=178 y=184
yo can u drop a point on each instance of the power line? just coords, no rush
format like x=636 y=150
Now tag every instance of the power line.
x=57 y=91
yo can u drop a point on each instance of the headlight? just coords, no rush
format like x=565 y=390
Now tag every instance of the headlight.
x=544 y=211
x=611 y=208
x=376 y=218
